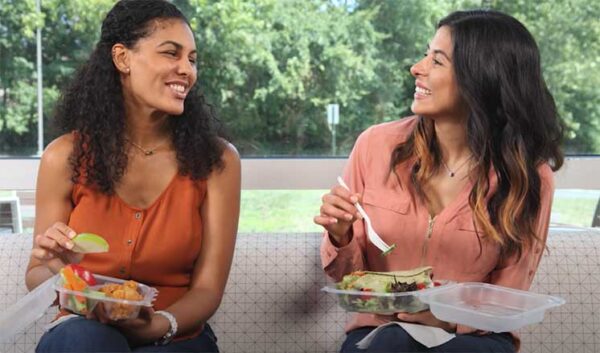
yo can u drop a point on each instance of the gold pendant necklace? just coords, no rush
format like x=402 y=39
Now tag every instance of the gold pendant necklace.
x=452 y=173
x=146 y=152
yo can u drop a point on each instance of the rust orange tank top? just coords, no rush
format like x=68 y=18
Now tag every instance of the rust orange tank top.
x=157 y=246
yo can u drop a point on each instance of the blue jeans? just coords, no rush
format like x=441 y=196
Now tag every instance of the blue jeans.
x=83 y=335
x=395 y=339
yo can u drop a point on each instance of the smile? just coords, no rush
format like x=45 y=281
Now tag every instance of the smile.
x=423 y=91
x=177 y=88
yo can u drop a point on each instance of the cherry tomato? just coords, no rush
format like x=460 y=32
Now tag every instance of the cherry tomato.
x=84 y=274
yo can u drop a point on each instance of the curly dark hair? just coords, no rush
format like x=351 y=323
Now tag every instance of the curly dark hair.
x=92 y=106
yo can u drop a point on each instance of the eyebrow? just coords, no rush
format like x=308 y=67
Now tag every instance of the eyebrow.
x=177 y=45
x=439 y=51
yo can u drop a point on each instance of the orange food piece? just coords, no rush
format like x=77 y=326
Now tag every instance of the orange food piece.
x=74 y=282
x=128 y=291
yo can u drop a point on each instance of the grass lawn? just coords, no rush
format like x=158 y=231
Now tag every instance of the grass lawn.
x=293 y=210
x=280 y=210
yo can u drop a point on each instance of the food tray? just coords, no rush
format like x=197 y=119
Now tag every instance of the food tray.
x=115 y=309
x=381 y=303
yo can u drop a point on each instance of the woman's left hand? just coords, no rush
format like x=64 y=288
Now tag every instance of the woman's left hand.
x=139 y=331
x=426 y=318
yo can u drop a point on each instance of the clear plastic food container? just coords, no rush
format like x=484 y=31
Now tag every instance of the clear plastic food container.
x=380 y=302
x=83 y=302
x=489 y=307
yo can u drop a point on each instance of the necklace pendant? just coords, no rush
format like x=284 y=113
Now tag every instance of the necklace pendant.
x=452 y=174
x=148 y=153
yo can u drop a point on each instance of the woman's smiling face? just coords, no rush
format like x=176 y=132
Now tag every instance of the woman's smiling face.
x=436 y=92
x=162 y=68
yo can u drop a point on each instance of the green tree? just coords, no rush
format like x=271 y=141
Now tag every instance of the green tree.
x=270 y=67
x=69 y=29
x=568 y=34
x=273 y=66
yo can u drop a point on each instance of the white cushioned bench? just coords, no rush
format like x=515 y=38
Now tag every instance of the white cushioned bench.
x=273 y=301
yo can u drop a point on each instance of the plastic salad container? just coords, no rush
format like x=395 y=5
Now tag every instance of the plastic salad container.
x=489 y=307
x=381 y=302
x=83 y=302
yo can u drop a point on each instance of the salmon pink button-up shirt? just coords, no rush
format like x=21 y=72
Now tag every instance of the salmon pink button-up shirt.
x=451 y=246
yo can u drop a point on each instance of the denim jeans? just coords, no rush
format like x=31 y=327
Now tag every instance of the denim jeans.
x=83 y=335
x=395 y=339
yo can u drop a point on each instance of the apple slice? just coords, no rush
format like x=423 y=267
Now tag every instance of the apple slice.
x=87 y=243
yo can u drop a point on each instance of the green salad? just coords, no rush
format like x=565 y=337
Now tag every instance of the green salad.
x=385 y=292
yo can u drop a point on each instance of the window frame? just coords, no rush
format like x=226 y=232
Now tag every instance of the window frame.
x=300 y=173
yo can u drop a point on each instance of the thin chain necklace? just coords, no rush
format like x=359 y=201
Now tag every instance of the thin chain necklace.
x=452 y=173
x=145 y=151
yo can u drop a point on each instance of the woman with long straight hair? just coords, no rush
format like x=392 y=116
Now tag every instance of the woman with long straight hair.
x=464 y=186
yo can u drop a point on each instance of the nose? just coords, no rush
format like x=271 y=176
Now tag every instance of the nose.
x=186 y=68
x=418 y=69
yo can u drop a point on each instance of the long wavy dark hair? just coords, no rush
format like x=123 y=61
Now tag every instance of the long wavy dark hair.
x=512 y=127
x=93 y=106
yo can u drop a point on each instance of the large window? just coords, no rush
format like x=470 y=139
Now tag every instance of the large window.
x=272 y=67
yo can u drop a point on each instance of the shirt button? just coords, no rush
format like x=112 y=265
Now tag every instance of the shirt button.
x=129 y=242
x=138 y=215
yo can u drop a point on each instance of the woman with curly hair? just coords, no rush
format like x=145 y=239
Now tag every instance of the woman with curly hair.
x=143 y=164
x=464 y=186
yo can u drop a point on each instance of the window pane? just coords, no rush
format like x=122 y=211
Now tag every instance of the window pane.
x=18 y=96
x=576 y=207
x=272 y=67
x=293 y=210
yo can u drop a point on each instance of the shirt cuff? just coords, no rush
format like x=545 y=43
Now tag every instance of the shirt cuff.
x=346 y=254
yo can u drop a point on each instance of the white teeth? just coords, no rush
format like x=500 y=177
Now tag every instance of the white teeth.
x=422 y=90
x=178 y=88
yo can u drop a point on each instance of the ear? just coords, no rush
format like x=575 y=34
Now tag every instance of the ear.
x=120 y=57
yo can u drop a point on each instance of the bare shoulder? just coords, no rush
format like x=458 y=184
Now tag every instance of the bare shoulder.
x=228 y=177
x=230 y=156
x=547 y=180
x=55 y=159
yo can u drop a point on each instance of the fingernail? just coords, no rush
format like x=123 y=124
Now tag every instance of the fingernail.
x=69 y=245
x=49 y=255
x=359 y=216
x=72 y=234
x=354 y=199
x=348 y=216
x=334 y=220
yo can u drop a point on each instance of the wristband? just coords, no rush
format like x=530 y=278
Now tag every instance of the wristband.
x=168 y=337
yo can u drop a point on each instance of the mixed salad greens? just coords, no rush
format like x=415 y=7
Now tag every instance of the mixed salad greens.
x=385 y=292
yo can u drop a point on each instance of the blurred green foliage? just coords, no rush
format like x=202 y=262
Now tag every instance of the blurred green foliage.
x=271 y=66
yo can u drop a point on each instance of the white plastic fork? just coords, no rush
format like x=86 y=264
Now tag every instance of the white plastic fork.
x=371 y=233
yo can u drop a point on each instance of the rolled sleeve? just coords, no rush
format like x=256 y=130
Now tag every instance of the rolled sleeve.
x=339 y=261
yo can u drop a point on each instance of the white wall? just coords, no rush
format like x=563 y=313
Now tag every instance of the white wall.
x=300 y=173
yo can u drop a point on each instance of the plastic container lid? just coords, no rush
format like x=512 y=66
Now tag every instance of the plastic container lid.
x=82 y=302
x=27 y=310
x=489 y=307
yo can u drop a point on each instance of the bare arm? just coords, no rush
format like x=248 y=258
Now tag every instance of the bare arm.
x=220 y=215
x=53 y=208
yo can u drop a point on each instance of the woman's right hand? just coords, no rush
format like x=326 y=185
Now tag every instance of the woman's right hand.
x=53 y=248
x=338 y=213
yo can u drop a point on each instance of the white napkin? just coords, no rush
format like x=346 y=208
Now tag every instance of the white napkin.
x=426 y=335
